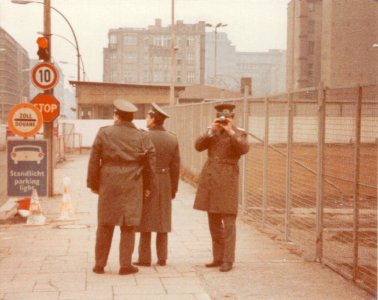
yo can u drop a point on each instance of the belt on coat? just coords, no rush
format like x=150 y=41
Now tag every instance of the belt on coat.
x=223 y=161
x=162 y=170
x=121 y=163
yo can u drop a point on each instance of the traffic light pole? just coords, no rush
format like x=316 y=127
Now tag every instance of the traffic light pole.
x=48 y=132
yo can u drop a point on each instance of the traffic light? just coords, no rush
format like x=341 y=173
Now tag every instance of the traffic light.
x=43 y=49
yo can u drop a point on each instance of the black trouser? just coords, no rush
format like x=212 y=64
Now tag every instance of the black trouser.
x=104 y=236
x=144 y=248
x=223 y=234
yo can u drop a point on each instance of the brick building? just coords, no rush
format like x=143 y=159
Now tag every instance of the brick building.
x=331 y=41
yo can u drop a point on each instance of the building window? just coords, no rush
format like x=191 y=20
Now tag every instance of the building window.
x=190 y=76
x=190 y=59
x=311 y=5
x=113 y=39
x=311 y=46
x=190 y=41
x=310 y=69
x=311 y=26
x=130 y=40
x=130 y=56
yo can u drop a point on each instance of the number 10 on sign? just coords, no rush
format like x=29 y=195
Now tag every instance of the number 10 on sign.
x=45 y=76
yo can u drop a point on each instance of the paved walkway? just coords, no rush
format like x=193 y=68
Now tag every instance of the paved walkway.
x=54 y=261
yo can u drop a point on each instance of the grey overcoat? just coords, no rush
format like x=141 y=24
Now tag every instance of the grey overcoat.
x=218 y=182
x=157 y=209
x=119 y=156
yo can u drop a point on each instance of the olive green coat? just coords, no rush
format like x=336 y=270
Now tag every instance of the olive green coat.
x=119 y=155
x=157 y=209
x=219 y=180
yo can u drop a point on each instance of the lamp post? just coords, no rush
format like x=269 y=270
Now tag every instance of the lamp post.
x=173 y=57
x=215 y=44
x=49 y=34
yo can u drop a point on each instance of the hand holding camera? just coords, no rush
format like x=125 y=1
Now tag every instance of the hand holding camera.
x=222 y=122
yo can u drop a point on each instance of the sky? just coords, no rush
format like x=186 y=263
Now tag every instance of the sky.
x=252 y=25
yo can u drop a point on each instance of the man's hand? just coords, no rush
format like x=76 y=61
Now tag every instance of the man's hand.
x=226 y=125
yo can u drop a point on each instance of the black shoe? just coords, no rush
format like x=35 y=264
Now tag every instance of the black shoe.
x=98 y=270
x=128 y=270
x=142 y=264
x=225 y=267
x=161 y=262
x=215 y=263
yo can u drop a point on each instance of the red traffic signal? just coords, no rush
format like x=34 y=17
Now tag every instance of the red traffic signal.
x=43 y=49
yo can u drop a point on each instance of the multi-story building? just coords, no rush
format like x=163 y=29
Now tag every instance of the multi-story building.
x=138 y=55
x=14 y=73
x=331 y=41
x=267 y=69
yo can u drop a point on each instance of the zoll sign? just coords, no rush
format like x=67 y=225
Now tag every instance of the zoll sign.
x=45 y=76
x=24 y=119
x=48 y=105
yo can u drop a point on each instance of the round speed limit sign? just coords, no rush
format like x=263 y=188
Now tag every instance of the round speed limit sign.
x=45 y=76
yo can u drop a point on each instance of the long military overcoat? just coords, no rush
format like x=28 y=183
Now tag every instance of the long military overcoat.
x=218 y=182
x=157 y=209
x=119 y=155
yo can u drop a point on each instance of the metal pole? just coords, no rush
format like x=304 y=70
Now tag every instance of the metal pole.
x=320 y=174
x=244 y=161
x=173 y=58
x=215 y=53
x=48 y=127
x=356 y=188
x=266 y=161
x=289 y=164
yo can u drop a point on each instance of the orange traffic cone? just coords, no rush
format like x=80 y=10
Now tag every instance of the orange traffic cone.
x=35 y=216
x=66 y=209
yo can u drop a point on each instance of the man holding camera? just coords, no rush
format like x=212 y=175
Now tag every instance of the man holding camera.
x=217 y=191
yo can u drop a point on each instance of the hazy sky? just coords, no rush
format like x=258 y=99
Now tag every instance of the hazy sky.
x=253 y=25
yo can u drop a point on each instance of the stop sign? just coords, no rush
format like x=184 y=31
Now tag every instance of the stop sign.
x=48 y=105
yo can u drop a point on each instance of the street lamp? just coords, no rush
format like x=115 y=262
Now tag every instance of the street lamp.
x=215 y=44
x=69 y=24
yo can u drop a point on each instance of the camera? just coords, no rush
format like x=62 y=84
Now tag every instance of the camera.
x=222 y=120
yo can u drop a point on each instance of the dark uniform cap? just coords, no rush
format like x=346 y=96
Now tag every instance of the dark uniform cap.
x=155 y=109
x=124 y=105
x=224 y=109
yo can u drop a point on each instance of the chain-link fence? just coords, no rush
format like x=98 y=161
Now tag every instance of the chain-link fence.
x=311 y=173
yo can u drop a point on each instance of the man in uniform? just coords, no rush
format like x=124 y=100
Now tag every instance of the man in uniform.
x=217 y=191
x=157 y=209
x=119 y=156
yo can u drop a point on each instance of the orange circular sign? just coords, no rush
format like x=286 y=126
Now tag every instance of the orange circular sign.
x=25 y=119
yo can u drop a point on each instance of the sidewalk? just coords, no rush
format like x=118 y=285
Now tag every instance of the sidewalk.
x=55 y=261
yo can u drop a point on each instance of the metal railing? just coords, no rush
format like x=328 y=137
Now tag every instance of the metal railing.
x=310 y=176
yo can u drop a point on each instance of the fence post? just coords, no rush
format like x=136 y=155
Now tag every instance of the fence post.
x=289 y=156
x=266 y=161
x=356 y=189
x=244 y=161
x=320 y=173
